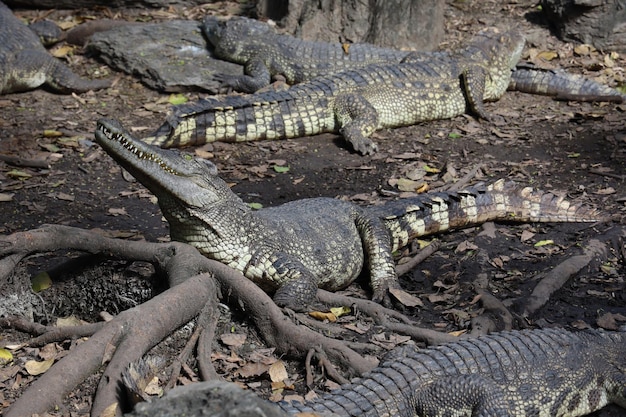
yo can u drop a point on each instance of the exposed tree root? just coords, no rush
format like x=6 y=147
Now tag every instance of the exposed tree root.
x=132 y=333
x=552 y=281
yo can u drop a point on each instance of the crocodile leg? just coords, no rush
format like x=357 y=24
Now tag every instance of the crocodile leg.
x=377 y=248
x=474 y=85
x=257 y=75
x=358 y=120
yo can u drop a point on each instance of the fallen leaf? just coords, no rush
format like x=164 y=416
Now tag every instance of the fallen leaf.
x=65 y=197
x=110 y=411
x=51 y=133
x=41 y=281
x=340 y=311
x=609 y=321
x=117 y=211
x=4 y=197
x=405 y=298
x=405 y=184
x=526 y=235
x=16 y=173
x=544 y=243
x=277 y=371
x=547 y=55
x=281 y=169
x=233 y=339
x=252 y=369
x=176 y=99
x=62 y=51
x=606 y=191
x=321 y=315
x=5 y=356
x=37 y=368
x=465 y=246
x=69 y=321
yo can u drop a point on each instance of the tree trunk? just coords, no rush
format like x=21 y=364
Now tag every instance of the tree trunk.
x=601 y=23
x=402 y=24
x=78 y=4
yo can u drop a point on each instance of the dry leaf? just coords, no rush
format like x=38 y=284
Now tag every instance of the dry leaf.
x=37 y=368
x=252 y=369
x=118 y=211
x=321 y=316
x=110 y=411
x=547 y=55
x=405 y=298
x=526 y=235
x=233 y=339
x=277 y=371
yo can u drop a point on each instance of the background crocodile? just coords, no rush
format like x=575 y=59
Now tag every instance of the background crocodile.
x=265 y=53
x=25 y=64
x=297 y=247
x=357 y=102
x=550 y=372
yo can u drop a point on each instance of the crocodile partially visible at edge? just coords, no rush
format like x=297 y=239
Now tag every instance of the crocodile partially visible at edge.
x=25 y=64
x=529 y=373
x=294 y=248
x=264 y=53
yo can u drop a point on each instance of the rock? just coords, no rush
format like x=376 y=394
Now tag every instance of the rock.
x=601 y=23
x=211 y=398
x=169 y=57
x=400 y=24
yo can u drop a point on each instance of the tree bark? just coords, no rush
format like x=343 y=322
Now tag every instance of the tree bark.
x=79 y=4
x=601 y=23
x=402 y=24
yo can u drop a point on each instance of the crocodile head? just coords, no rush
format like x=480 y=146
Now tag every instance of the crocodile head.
x=231 y=39
x=174 y=179
x=499 y=52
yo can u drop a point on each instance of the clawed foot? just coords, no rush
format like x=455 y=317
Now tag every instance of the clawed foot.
x=364 y=146
x=296 y=295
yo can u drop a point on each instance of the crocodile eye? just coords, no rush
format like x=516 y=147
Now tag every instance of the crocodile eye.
x=210 y=166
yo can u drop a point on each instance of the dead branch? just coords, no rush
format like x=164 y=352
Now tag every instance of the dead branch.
x=593 y=250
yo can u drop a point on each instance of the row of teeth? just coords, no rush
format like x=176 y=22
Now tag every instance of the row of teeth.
x=133 y=149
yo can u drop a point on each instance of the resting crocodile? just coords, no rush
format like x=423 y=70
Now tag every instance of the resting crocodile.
x=528 y=373
x=266 y=54
x=299 y=246
x=356 y=102
x=25 y=64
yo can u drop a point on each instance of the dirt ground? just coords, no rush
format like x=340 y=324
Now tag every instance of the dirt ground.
x=579 y=148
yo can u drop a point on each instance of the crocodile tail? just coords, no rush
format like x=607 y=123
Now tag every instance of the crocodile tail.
x=241 y=118
x=562 y=85
x=501 y=201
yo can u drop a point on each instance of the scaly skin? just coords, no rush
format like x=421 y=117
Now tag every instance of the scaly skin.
x=561 y=85
x=356 y=102
x=528 y=373
x=299 y=246
x=266 y=54
x=25 y=64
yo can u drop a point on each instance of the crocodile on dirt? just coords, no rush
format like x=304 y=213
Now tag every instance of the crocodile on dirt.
x=25 y=64
x=528 y=373
x=356 y=102
x=299 y=246
x=266 y=54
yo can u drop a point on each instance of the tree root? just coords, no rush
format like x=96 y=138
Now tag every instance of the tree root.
x=133 y=332
x=559 y=275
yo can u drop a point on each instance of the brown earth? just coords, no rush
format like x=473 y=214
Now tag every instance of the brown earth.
x=576 y=147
